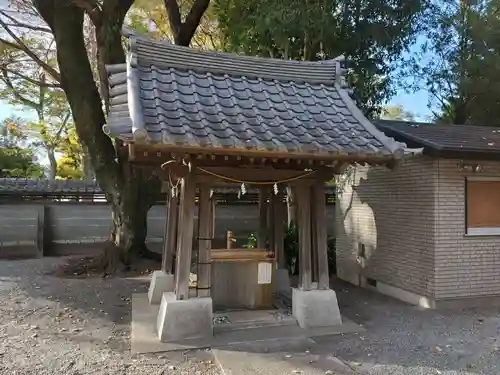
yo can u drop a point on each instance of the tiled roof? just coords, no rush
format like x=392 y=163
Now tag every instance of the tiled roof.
x=182 y=97
x=444 y=138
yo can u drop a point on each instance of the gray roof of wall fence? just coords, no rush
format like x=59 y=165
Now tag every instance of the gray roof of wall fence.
x=20 y=186
x=16 y=186
x=183 y=97
x=443 y=140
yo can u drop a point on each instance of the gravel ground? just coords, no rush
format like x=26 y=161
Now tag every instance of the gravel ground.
x=406 y=340
x=51 y=325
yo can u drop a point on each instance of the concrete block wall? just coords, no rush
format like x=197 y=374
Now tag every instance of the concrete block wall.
x=392 y=214
x=18 y=231
x=466 y=266
x=83 y=227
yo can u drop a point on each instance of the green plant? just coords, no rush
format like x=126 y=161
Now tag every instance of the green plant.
x=251 y=241
x=291 y=248
x=331 y=251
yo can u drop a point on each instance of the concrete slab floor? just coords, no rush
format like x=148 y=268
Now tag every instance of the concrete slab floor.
x=246 y=319
x=245 y=363
x=145 y=339
x=277 y=357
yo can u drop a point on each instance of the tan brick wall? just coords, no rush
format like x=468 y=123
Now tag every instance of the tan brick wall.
x=393 y=214
x=466 y=266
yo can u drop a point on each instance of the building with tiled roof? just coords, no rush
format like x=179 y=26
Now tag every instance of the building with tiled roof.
x=203 y=118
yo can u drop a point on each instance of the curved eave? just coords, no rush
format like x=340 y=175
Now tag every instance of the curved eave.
x=397 y=149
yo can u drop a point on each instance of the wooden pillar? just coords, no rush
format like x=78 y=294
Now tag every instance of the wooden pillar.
x=204 y=241
x=212 y=216
x=303 y=199
x=291 y=206
x=320 y=234
x=263 y=230
x=279 y=229
x=170 y=241
x=185 y=236
x=314 y=240
x=271 y=222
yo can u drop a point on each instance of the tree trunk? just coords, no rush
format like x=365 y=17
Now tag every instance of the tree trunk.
x=128 y=194
x=87 y=167
x=129 y=212
x=52 y=164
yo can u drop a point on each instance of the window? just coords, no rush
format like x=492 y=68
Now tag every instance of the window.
x=482 y=204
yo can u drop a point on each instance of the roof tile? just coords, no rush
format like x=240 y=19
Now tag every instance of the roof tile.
x=195 y=104
x=443 y=137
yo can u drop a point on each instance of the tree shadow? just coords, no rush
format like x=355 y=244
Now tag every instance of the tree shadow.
x=92 y=297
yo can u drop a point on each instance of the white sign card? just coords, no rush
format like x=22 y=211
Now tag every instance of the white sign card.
x=264 y=273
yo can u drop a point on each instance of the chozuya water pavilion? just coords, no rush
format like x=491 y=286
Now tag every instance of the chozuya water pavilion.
x=204 y=119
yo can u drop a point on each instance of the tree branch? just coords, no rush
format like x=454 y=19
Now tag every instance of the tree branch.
x=92 y=9
x=41 y=97
x=174 y=17
x=117 y=8
x=193 y=19
x=66 y=118
x=20 y=45
x=31 y=80
x=184 y=31
x=17 y=23
x=5 y=78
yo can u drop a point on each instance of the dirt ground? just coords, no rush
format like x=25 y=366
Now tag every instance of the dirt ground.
x=76 y=326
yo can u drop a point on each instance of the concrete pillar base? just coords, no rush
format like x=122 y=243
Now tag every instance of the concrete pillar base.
x=161 y=282
x=315 y=308
x=281 y=281
x=184 y=319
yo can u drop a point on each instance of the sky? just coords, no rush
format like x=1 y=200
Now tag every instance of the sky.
x=7 y=110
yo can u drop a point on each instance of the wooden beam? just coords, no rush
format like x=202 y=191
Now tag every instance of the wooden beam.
x=320 y=234
x=185 y=237
x=158 y=154
x=263 y=230
x=339 y=167
x=279 y=229
x=303 y=199
x=204 y=241
x=170 y=241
